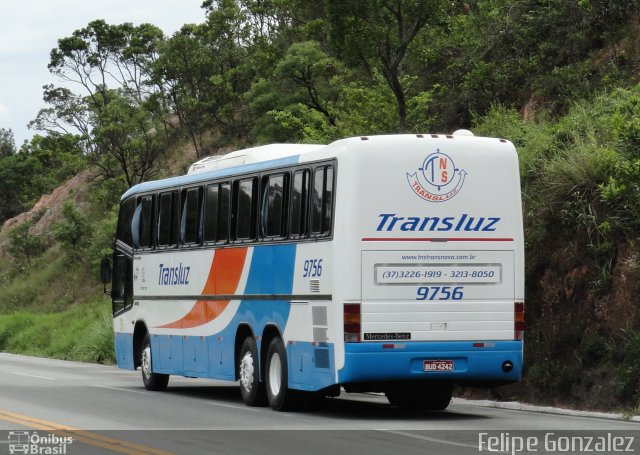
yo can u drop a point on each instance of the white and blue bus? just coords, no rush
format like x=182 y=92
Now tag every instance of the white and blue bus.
x=392 y=264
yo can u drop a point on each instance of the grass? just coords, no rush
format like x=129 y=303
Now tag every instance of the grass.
x=52 y=305
x=82 y=332
x=51 y=283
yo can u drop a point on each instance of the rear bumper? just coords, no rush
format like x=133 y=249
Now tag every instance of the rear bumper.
x=377 y=362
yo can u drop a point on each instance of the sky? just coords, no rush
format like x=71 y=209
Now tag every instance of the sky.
x=29 y=29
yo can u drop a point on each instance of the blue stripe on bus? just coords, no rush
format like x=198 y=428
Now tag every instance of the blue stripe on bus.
x=372 y=362
x=271 y=272
x=124 y=350
x=183 y=180
x=311 y=366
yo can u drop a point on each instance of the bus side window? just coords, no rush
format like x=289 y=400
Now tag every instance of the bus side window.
x=122 y=276
x=122 y=289
x=125 y=217
x=141 y=224
x=224 y=213
x=216 y=213
x=273 y=203
x=211 y=209
x=245 y=203
x=322 y=201
x=175 y=219
x=299 y=204
x=190 y=221
x=165 y=219
x=327 y=208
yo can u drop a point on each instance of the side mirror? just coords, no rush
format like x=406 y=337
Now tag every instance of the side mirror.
x=105 y=272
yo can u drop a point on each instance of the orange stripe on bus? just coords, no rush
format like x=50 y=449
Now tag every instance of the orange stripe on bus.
x=224 y=277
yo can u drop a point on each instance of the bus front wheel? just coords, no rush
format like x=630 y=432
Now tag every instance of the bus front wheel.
x=152 y=381
x=280 y=397
x=252 y=391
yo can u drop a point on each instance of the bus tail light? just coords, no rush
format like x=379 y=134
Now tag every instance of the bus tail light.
x=352 y=323
x=519 y=320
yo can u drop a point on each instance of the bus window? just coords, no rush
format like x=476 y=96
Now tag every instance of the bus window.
x=141 y=225
x=299 y=204
x=224 y=213
x=272 y=223
x=167 y=214
x=190 y=222
x=216 y=213
x=328 y=201
x=122 y=284
x=211 y=209
x=125 y=217
x=321 y=200
x=245 y=209
x=175 y=219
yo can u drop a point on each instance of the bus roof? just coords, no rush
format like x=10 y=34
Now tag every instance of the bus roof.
x=267 y=157
x=245 y=160
x=250 y=155
x=182 y=180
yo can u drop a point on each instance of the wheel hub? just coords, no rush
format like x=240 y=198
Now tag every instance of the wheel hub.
x=247 y=371
x=275 y=374
x=146 y=361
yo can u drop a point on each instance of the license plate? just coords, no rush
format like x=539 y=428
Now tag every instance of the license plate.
x=438 y=365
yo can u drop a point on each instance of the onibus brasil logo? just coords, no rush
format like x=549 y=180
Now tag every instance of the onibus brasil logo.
x=438 y=179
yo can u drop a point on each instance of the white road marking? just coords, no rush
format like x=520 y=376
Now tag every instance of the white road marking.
x=430 y=439
x=242 y=408
x=119 y=389
x=34 y=376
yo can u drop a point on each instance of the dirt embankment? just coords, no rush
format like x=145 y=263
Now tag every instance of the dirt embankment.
x=48 y=209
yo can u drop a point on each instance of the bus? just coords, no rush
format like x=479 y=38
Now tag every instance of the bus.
x=390 y=264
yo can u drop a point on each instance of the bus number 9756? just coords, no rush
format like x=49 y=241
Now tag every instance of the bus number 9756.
x=312 y=268
x=440 y=293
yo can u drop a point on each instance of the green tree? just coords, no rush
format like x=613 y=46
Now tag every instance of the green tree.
x=127 y=143
x=182 y=69
x=23 y=246
x=73 y=232
x=207 y=68
x=378 y=36
x=16 y=191
x=120 y=113
x=61 y=156
x=7 y=143
x=300 y=87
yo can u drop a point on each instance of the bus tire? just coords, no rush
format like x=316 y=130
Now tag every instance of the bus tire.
x=251 y=389
x=280 y=397
x=432 y=396
x=152 y=381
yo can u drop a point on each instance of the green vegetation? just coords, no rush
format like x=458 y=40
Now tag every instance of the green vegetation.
x=558 y=78
x=82 y=332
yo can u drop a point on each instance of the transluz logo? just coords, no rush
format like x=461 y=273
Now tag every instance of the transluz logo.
x=438 y=180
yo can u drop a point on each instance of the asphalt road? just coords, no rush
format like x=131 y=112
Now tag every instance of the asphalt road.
x=106 y=410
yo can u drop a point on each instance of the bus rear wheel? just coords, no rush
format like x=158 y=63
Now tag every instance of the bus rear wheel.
x=280 y=397
x=431 y=396
x=252 y=391
x=152 y=381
